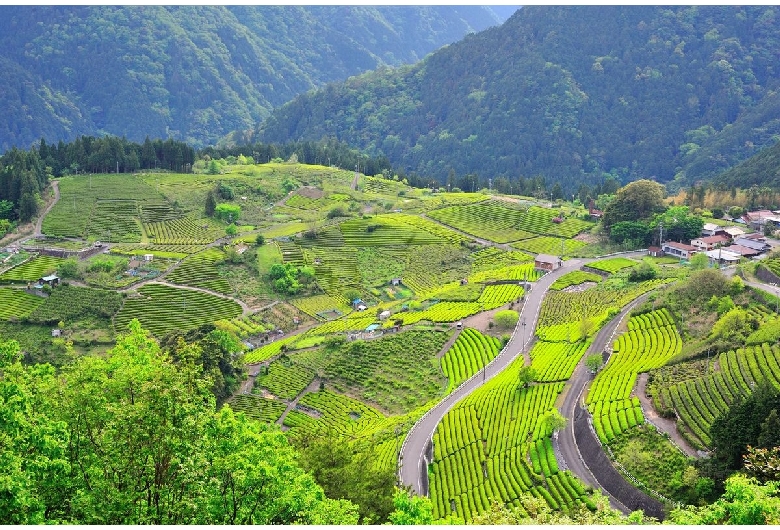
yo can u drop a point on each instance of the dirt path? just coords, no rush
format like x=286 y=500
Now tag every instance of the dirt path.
x=665 y=425
x=314 y=386
x=449 y=344
x=55 y=185
x=244 y=307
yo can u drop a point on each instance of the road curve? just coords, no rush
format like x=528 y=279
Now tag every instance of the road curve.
x=413 y=462
x=566 y=445
x=415 y=451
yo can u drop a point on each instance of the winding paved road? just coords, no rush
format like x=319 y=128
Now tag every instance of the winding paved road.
x=415 y=451
x=414 y=469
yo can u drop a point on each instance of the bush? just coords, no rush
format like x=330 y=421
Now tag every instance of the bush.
x=506 y=319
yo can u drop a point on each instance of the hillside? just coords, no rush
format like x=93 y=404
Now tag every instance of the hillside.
x=571 y=93
x=760 y=170
x=195 y=73
x=364 y=310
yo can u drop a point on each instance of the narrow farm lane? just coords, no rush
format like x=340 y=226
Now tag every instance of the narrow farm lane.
x=55 y=185
x=413 y=461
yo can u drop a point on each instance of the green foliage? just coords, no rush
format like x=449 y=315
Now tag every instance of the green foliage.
x=647 y=270
x=134 y=410
x=227 y=212
x=506 y=318
x=638 y=200
x=594 y=362
x=742 y=425
x=745 y=502
x=289 y=279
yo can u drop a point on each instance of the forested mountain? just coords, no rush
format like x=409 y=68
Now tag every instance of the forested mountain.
x=571 y=93
x=762 y=169
x=194 y=73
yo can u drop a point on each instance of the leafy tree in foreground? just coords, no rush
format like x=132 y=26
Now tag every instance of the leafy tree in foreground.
x=132 y=438
x=745 y=502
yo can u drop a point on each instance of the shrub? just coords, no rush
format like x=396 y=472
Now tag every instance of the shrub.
x=506 y=319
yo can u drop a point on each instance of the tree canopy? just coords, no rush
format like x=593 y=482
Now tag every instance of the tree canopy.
x=132 y=438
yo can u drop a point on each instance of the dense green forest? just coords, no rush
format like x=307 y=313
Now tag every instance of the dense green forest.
x=195 y=73
x=575 y=93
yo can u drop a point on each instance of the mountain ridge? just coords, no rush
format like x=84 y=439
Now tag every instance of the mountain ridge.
x=195 y=73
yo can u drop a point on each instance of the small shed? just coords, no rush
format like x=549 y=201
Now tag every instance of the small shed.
x=655 y=252
x=395 y=281
x=51 y=280
x=547 y=262
x=384 y=315
x=361 y=307
x=56 y=332
x=148 y=257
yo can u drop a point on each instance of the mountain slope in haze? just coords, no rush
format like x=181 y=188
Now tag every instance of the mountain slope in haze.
x=571 y=93
x=195 y=73
x=762 y=169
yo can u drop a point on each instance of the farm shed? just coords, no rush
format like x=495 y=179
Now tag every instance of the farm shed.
x=56 y=332
x=547 y=262
x=655 y=252
x=148 y=257
x=384 y=315
x=723 y=256
x=51 y=280
x=395 y=281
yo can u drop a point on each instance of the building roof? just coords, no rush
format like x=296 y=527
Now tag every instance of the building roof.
x=723 y=254
x=733 y=231
x=713 y=240
x=50 y=278
x=710 y=227
x=755 y=236
x=744 y=251
x=759 y=214
x=679 y=246
x=546 y=258
x=373 y=327
x=751 y=243
x=654 y=249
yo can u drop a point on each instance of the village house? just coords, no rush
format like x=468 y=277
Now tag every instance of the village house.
x=711 y=229
x=752 y=243
x=679 y=250
x=655 y=252
x=733 y=231
x=710 y=242
x=758 y=219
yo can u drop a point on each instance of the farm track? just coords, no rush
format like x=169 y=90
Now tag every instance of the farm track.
x=663 y=424
x=55 y=185
x=566 y=443
x=313 y=387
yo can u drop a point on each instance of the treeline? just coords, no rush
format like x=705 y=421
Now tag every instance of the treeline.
x=326 y=152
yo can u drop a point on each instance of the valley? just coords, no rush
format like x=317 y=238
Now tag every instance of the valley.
x=351 y=297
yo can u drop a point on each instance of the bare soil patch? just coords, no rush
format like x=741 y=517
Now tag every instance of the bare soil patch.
x=310 y=192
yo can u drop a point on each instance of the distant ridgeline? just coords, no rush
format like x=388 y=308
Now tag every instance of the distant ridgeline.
x=572 y=93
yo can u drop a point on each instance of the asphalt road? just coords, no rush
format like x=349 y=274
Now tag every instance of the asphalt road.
x=415 y=451
x=565 y=445
x=414 y=463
